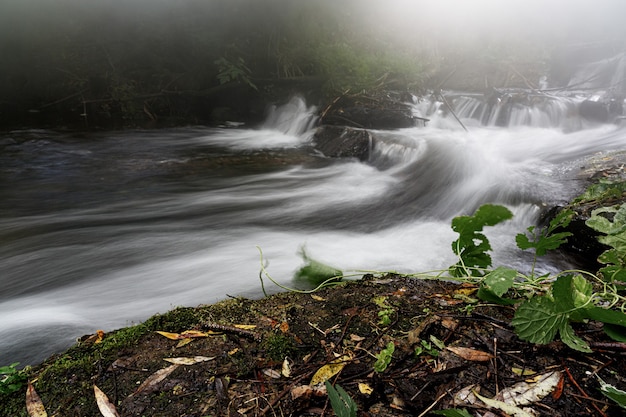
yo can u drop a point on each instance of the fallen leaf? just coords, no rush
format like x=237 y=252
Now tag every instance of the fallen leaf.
x=233 y=351
x=272 y=373
x=365 y=388
x=470 y=354
x=286 y=369
x=356 y=338
x=522 y=372
x=184 y=342
x=34 y=406
x=329 y=370
x=150 y=383
x=196 y=333
x=189 y=360
x=245 y=326
x=466 y=396
x=399 y=292
x=524 y=393
x=558 y=391
x=173 y=336
x=304 y=391
x=284 y=327
x=317 y=297
x=450 y=324
x=501 y=405
x=107 y=409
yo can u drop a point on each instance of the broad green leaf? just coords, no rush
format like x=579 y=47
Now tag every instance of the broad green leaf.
x=613 y=393
x=499 y=280
x=314 y=273
x=572 y=340
x=617 y=333
x=343 y=405
x=606 y=316
x=383 y=359
x=603 y=224
x=486 y=294
x=538 y=320
x=571 y=292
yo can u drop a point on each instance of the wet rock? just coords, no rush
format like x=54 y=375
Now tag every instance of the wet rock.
x=343 y=142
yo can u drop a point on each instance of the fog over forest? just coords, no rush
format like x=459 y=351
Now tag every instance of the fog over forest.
x=166 y=57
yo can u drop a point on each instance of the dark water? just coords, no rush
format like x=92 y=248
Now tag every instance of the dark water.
x=99 y=231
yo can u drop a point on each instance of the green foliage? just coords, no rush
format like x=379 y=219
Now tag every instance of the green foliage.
x=615 y=238
x=343 y=405
x=278 y=346
x=551 y=303
x=234 y=71
x=383 y=359
x=611 y=392
x=11 y=379
x=315 y=273
x=603 y=192
x=472 y=245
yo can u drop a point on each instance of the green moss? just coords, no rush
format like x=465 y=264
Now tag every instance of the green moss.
x=278 y=346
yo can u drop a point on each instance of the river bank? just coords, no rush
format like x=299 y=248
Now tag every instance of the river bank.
x=444 y=343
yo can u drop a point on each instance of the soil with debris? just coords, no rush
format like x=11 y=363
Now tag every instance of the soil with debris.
x=447 y=348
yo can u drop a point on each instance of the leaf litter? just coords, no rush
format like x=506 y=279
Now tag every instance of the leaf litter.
x=461 y=357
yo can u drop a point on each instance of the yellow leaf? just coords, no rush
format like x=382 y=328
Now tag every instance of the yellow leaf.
x=184 y=342
x=317 y=297
x=329 y=370
x=34 y=406
x=470 y=354
x=107 y=409
x=245 y=326
x=189 y=360
x=194 y=333
x=232 y=352
x=522 y=372
x=365 y=389
x=173 y=336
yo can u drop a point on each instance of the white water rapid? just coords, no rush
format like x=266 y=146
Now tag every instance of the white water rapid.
x=101 y=231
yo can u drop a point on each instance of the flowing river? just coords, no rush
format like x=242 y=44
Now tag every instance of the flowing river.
x=102 y=230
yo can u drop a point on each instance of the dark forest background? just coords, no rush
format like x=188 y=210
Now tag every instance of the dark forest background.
x=110 y=63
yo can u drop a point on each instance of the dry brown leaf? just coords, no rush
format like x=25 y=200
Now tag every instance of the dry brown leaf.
x=271 y=373
x=301 y=391
x=189 y=360
x=450 y=324
x=356 y=338
x=284 y=327
x=34 y=406
x=317 y=297
x=470 y=354
x=107 y=409
x=150 y=383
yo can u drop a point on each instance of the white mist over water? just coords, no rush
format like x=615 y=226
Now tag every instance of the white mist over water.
x=100 y=233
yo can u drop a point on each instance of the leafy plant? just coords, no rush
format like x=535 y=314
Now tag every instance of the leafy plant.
x=472 y=245
x=234 y=71
x=11 y=378
x=427 y=347
x=615 y=237
x=552 y=302
x=343 y=405
x=315 y=272
x=613 y=393
x=384 y=315
x=383 y=359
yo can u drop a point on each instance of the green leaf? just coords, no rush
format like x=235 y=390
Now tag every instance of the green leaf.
x=572 y=340
x=315 y=273
x=383 y=359
x=343 y=405
x=617 y=333
x=500 y=280
x=606 y=316
x=571 y=292
x=486 y=294
x=472 y=246
x=538 y=320
x=613 y=393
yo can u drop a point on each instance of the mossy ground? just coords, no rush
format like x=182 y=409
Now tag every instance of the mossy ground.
x=244 y=377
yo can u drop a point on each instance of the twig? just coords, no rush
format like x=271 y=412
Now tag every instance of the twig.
x=452 y=111
x=584 y=394
x=232 y=329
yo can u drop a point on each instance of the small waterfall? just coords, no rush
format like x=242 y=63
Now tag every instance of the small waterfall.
x=509 y=108
x=293 y=118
